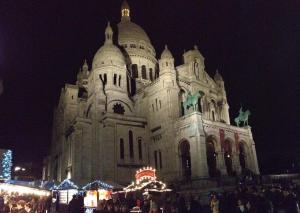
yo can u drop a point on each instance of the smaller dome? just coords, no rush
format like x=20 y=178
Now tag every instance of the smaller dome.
x=166 y=53
x=108 y=53
x=218 y=77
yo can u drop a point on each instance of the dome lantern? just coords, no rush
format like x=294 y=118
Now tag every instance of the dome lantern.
x=125 y=10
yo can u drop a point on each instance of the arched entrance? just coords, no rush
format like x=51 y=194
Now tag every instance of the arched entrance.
x=242 y=156
x=228 y=157
x=211 y=157
x=185 y=156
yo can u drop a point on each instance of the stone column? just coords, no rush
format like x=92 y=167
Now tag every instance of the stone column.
x=254 y=162
x=201 y=158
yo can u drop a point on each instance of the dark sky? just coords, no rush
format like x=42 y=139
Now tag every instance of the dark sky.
x=254 y=44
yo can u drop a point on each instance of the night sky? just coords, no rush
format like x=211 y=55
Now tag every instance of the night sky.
x=254 y=44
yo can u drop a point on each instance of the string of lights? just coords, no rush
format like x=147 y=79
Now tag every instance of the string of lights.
x=22 y=190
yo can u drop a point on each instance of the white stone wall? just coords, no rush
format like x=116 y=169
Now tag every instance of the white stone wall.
x=87 y=132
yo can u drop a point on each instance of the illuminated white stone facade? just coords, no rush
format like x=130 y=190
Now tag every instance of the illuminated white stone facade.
x=125 y=112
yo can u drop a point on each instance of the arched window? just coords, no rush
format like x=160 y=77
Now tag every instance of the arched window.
x=156 y=74
x=144 y=74
x=131 y=153
x=199 y=105
x=134 y=69
x=115 y=79
x=119 y=109
x=119 y=80
x=151 y=74
x=105 y=79
x=160 y=160
x=213 y=115
x=121 y=148
x=140 y=149
x=185 y=155
x=155 y=159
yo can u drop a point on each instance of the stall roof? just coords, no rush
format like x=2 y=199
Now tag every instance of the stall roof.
x=66 y=184
x=98 y=184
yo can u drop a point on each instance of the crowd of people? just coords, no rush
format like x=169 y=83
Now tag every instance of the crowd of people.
x=273 y=198
x=245 y=198
x=15 y=203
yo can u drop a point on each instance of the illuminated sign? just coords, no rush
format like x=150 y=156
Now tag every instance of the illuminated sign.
x=145 y=173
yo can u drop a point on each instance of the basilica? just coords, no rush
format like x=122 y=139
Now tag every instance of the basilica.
x=131 y=108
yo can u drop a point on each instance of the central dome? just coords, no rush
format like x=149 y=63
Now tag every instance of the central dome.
x=132 y=37
x=131 y=32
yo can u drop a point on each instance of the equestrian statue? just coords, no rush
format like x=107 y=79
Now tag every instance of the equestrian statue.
x=242 y=117
x=192 y=100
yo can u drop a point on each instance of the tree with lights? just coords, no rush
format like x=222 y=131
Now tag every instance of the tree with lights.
x=6 y=164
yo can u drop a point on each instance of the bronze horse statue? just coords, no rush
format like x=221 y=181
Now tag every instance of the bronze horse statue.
x=242 y=117
x=192 y=100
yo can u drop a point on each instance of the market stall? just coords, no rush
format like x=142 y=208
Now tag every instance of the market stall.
x=146 y=182
x=66 y=190
x=145 y=186
x=95 y=192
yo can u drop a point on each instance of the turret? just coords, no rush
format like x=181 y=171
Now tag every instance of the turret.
x=166 y=62
x=219 y=80
x=83 y=74
x=223 y=103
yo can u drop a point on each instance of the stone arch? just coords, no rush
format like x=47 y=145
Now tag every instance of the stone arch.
x=185 y=159
x=211 y=154
x=244 y=155
x=228 y=156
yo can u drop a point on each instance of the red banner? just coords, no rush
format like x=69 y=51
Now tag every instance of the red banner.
x=236 y=137
x=222 y=139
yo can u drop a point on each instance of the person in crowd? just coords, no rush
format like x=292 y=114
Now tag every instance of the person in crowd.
x=153 y=206
x=195 y=206
x=146 y=206
x=28 y=208
x=182 y=205
x=21 y=206
x=214 y=204
x=240 y=207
